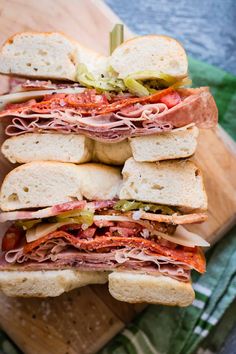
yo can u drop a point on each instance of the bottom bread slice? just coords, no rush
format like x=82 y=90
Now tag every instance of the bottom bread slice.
x=138 y=288
x=129 y=287
x=48 y=283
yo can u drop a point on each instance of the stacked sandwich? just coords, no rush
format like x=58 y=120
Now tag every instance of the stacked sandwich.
x=72 y=220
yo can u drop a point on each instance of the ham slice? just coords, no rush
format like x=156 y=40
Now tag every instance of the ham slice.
x=68 y=261
x=112 y=121
x=106 y=245
x=107 y=128
x=56 y=255
x=29 y=85
x=93 y=240
x=18 y=84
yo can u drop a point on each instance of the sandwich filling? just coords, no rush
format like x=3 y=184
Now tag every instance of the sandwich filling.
x=105 y=116
x=103 y=235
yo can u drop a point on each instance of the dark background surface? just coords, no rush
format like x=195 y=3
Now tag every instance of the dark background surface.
x=207 y=28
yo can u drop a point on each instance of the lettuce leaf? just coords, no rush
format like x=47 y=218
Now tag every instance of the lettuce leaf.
x=83 y=217
x=127 y=205
x=28 y=224
x=87 y=79
x=142 y=83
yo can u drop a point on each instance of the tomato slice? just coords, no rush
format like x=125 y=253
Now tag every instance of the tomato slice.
x=11 y=238
x=171 y=99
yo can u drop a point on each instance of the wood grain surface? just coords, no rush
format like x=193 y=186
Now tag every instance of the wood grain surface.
x=82 y=321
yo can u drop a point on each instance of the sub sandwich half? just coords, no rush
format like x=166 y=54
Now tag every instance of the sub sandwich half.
x=71 y=104
x=70 y=225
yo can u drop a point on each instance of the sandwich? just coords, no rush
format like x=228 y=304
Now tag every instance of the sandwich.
x=69 y=218
x=67 y=103
x=69 y=225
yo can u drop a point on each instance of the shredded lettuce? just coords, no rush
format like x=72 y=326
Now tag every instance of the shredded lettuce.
x=68 y=214
x=186 y=81
x=151 y=75
x=28 y=224
x=109 y=83
x=146 y=82
x=142 y=83
x=127 y=205
x=84 y=217
x=135 y=87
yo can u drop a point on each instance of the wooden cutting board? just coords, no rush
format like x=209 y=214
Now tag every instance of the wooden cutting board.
x=85 y=319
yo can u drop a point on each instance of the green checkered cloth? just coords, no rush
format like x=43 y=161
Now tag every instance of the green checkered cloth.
x=203 y=326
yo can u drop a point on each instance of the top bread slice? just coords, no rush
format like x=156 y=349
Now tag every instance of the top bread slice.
x=150 y=53
x=47 y=55
x=176 y=183
x=40 y=55
x=56 y=56
x=43 y=183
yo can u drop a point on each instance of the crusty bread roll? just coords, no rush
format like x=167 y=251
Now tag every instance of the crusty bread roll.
x=56 y=56
x=40 y=184
x=76 y=148
x=47 y=283
x=177 y=183
x=150 y=53
x=137 y=288
x=176 y=144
